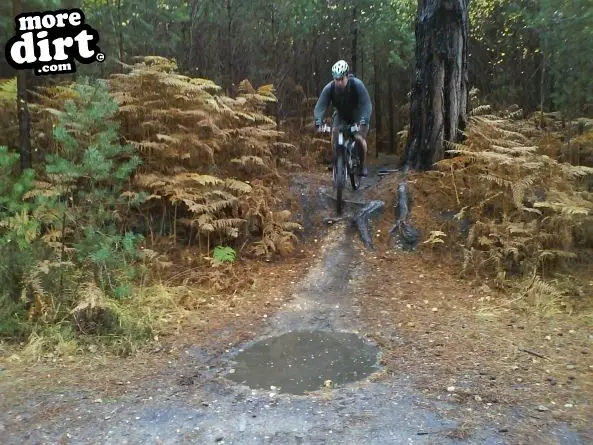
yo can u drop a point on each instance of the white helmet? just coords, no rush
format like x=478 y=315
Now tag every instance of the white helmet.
x=339 y=69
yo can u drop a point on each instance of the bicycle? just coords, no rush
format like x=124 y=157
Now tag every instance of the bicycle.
x=346 y=162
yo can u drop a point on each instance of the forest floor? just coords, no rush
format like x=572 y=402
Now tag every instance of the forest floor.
x=457 y=363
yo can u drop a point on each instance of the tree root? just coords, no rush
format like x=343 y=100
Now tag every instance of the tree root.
x=404 y=236
x=362 y=220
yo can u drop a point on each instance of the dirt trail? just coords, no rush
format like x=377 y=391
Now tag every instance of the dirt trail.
x=204 y=407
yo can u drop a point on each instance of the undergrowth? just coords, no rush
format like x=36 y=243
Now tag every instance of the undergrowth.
x=212 y=164
x=528 y=215
x=149 y=182
x=70 y=268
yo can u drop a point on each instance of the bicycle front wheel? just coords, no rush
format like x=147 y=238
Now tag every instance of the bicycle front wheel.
x=353 y=172
x=339 y=181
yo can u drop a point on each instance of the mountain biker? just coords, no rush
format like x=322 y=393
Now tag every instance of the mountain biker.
x=352 y=104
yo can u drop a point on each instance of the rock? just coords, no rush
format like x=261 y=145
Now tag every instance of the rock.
x=477 y=398
x=485 y=289
x=570 y=366
x=451 y=388
x=552 y=380
x=543 y=408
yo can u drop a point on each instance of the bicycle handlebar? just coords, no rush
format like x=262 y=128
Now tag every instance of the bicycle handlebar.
x=351 y=128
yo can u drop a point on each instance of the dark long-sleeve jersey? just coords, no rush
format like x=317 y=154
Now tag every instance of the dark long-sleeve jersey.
x=353 y=103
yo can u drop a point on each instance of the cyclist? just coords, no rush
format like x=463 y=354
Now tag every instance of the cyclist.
x=352 y=104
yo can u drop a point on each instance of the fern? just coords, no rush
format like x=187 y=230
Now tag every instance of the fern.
x=526 y=207
x=8 y=91
x=237 y=186
x=224 y=254
x=482 y=109
x=435 y=237
x=202 y=152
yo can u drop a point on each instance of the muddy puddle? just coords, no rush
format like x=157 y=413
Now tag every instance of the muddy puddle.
x=304 y=361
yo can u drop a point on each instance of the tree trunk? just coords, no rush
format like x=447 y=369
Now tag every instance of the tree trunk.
x=229 y=50
x=438 y=110
x=22 y=107
x=120 y=35
x=24 y=121
x=391 y=107
x=192 y=37
x=377 y=107
x=354 y=41
x=541 y=90
x=362 y=64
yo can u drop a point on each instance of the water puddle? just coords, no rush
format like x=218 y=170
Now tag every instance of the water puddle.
x=303 y=361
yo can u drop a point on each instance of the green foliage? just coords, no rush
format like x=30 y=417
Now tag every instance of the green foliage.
x=142 y=27
x=12 y=317
x=8 y=92
x=8 y=112
x=93 y=168
x=565 y=34
x=18 y=240
x=513 y=41
x=224 y=254
x=63 y=229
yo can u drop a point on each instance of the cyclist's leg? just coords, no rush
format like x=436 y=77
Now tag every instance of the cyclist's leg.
x=361 y=139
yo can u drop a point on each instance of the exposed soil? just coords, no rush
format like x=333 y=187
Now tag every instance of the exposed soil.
x=457 y=363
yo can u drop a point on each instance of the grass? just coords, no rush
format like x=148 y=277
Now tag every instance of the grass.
x=133 y=324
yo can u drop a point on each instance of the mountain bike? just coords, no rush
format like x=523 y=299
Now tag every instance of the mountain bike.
x=346 y=162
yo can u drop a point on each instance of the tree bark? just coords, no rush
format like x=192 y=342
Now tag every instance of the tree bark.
x=24 y=120
x=354 y=41
x=439 y=106
x=192 y=38
x=229 y=50
x=120 y=35
x=22 y=107
x=391 y=107
x=377 y=107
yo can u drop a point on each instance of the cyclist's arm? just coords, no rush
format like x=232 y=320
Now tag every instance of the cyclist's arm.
x=322 y=103
x=365 y=106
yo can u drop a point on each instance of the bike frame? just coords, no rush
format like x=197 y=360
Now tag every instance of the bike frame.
x=344 y=153
x=345 y=142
